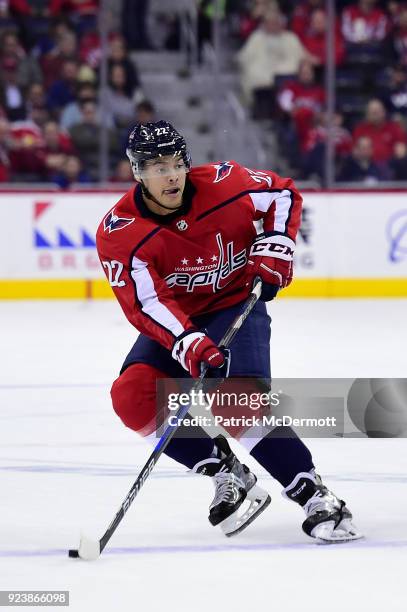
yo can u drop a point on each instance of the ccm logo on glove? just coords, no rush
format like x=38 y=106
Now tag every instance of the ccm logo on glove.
x=276 y=250
x=271 y=258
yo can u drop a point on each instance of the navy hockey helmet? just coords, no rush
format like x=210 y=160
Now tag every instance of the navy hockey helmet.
x=151 y=140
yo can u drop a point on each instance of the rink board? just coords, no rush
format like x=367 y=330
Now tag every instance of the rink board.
x=350 y=244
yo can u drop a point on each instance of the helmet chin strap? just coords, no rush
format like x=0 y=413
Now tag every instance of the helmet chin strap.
x=147 y=194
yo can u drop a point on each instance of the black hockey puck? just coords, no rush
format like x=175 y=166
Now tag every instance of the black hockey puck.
x=73 y=553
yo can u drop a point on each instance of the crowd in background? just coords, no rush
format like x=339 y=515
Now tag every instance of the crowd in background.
x=282 y=65
x=50 y=111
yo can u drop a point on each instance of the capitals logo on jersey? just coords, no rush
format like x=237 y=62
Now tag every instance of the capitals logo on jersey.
x=223 y=170
x=112 y=222
x=227 y=262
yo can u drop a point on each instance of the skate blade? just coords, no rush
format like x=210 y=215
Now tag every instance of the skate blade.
x=234 y=524
x=327 y=534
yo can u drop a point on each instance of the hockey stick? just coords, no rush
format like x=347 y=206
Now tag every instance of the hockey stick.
x=91 y=549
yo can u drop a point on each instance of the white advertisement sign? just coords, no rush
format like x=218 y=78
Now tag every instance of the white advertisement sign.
x=52 y=235
x=353 y=235
x=343 y=235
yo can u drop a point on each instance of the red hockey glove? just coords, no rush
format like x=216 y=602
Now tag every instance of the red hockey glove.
x=271 y=258
x=193 y=348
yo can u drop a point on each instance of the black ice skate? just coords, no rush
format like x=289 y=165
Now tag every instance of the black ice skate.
x=328 y=519
x=234 y=484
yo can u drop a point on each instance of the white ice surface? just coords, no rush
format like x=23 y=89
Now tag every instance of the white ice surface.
x=66 y=463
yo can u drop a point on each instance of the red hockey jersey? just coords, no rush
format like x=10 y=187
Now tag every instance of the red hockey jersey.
x=362 y=27
x=166 y=269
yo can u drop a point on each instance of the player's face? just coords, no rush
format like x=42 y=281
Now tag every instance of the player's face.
x=165 y=178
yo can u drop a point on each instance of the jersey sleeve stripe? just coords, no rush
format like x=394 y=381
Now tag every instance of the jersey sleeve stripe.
x=262 y=201
x=283 y=204
x=147 y=297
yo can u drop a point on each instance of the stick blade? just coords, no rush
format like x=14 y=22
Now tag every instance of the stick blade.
x=89 y=549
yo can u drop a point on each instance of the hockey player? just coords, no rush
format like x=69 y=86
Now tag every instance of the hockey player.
x=180 y=251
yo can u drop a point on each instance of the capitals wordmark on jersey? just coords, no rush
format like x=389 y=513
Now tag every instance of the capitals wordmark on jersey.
x=215 y=275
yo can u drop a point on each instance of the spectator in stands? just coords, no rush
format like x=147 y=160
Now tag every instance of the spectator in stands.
x=85 y=137
x=33 y=18
x=398 y=163
x=394 y=9
x=49 y=40
x=35 y=97
x=26 y=67
x=4 y=150
x=27 y=143
x=394 y=94
x=270 y=51
x=11 y=46
x=301 y=17
x=63 y=90
x=119 y=98
x=360 y=166
x=7 y=20
x=118 y=56
x=66 y=48
x=90 y=50
x=72 y=172
x=314 y=39
x=12 y=98
x=82 y=14
x=123 y=172
x=91 y=53
x=72 y=113
x=383 y=133
x=39 y=115
x=400 y=38
x=56 y=140
x=57 y=146
x=364 y=24
x=302 y=99
x=313 y=151
x=251 y=19
x=22 y=7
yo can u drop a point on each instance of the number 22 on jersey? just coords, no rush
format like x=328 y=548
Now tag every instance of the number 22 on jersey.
x=114 y=269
